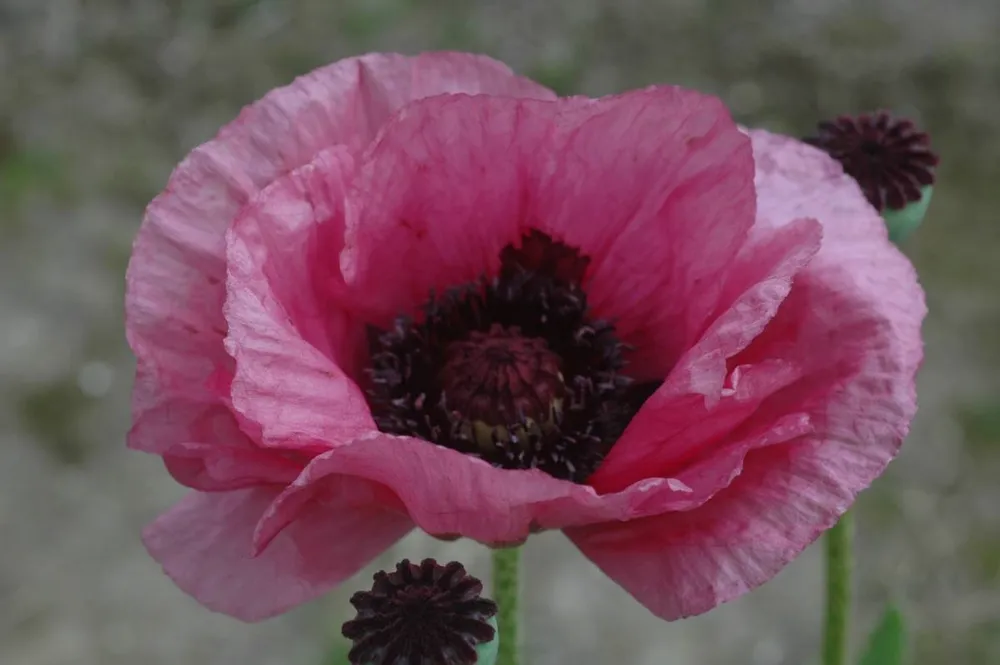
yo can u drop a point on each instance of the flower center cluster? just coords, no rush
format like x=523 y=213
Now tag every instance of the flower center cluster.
x=498 y=378
x=424 y=614
x=889 y=157
x=512 y=369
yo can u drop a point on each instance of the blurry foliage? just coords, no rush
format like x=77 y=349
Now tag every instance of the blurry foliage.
x=563 y=77
x=364 y=21
x=25 y=173
x=51 y=412
x=223 y=14
x=978 y=646
x=337 y=653
x=980 y=423
x=887 y=643
x=458 y=33
x=985 y=558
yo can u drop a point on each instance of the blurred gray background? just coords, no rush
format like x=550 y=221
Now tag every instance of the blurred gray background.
x=100 y=98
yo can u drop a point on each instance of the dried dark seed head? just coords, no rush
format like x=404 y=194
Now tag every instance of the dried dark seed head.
x=513 y=369
x=420 y=615
x=889 y=157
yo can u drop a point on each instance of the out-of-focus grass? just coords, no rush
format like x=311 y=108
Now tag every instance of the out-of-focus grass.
x=563 y=76
x=985 y=558
x=362 y=21
x=51 y=412
x=337 y=653
x=887 y=642
x=979 y=646
x=24 y=173
x=980 y=423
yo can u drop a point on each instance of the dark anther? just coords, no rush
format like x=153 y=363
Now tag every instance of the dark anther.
x=511 y=369
x=889 y=157
x=420 y=615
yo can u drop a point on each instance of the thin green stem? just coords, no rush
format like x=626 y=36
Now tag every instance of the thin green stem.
x=839 y=553
x=506 y=592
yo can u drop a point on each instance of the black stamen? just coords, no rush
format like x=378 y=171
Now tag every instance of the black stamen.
x=889 y=157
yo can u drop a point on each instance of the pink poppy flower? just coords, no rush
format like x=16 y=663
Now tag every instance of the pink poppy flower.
x=371 y=304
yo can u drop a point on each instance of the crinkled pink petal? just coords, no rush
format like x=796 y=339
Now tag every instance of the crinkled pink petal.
x=204 y=544
x=441 y=192
x=685 y=563
x=186 y=428
x=695 y=413
x=656 y=187
x=639 y=182
x=851 y=329
x=284 y=337
x=856 y=268
x=447 y=492
x=164 y=415
x=216 y=467
x=175 y=286
x=286 y=237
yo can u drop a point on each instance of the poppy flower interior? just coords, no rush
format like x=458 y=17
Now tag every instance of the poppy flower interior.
x=511 y=369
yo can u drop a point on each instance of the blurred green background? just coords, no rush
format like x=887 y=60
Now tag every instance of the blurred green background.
x=100 y=98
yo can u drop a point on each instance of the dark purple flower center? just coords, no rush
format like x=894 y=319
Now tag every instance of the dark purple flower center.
x=889 y=157
x=499 y=376
x=420 y=615
x=512 y=369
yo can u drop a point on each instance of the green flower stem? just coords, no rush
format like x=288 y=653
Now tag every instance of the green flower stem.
x=839 y=544
x=506 y=593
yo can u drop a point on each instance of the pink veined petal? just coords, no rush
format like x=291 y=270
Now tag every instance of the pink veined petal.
x=442 y=190
x=204 y=544
x=451 y=181
x=705 y=447
x=443 y=491
x=186 y=429
x=287 y=236
x=447 y=492
x=656 y=187
x=175 y=282
x=858 y=303
x=694 y=414
x=285 y=337
x=851 y=327
x=163 y=415
x=215 y=467
x=681 y=564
